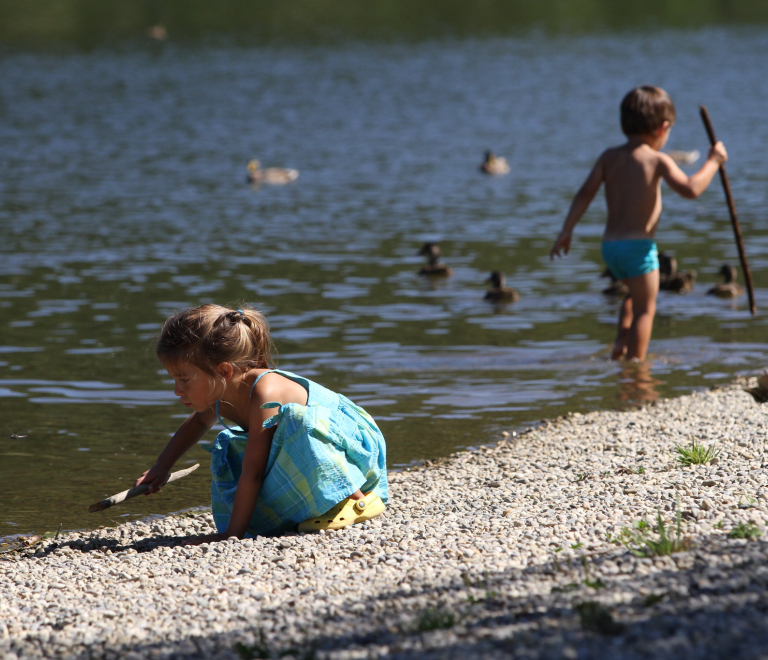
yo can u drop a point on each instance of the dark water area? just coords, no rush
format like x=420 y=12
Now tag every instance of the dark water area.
x=123 y=199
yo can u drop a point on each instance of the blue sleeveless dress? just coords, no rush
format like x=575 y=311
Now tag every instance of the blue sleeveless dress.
x=321 y=453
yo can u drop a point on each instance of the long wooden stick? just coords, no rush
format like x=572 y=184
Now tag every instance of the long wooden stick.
x=137 y=490
x=732 y=210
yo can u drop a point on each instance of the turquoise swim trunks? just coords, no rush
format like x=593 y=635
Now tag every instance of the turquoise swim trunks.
x=631 y=257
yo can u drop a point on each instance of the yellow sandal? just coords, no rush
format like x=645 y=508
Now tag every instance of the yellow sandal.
x=345 y=513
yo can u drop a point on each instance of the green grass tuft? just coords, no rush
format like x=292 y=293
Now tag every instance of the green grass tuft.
x=696 y=454
x=745 y=531
x=597 y=618
x=641 y=541
x=435 y=619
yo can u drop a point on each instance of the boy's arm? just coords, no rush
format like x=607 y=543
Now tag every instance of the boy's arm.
x=189 y=433
x=579 y=205
x=692 y=186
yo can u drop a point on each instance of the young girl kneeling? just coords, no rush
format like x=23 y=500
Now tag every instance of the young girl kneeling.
x=298 y=454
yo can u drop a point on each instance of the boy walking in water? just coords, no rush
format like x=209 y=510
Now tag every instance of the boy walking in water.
x=632 y=174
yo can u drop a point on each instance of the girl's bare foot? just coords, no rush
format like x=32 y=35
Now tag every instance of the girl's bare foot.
x=619 y=350
x=357 y=495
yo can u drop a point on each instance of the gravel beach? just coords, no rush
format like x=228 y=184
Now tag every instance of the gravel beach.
x=509 y=551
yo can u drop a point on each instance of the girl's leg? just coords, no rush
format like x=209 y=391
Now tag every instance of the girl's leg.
x=625 y=322
x=643 y=290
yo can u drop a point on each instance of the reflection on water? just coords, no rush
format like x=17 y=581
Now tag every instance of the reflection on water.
x=122 y=200
x=637 y=384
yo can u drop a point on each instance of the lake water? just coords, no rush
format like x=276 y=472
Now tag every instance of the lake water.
x=123 y=199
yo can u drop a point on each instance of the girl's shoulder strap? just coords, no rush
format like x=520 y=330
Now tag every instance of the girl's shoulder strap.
x=258 y=378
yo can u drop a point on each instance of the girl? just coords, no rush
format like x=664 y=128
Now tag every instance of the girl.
x=318 y=462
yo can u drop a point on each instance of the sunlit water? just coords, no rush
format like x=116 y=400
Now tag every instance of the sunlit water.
x=123 y=199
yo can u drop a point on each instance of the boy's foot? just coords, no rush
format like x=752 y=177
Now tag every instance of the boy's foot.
x=619 y=350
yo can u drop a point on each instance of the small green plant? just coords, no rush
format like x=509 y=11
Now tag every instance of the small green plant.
x=639 y=541
x=259 y=649
x=576 y=546
x=745 y=531
x=652 y=599
x=719 y=525
x=746 y=501
x=481 y=583
x=583 y=476
x=571 y=586
x=696 y=454
x=594 y=584
x=435 y=619
x=597 y=618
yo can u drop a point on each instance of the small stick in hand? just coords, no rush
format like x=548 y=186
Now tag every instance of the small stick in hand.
x=137 y=490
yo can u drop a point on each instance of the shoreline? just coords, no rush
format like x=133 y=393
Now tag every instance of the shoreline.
x=509 y=549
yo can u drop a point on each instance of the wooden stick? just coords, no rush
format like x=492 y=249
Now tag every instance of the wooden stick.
x=137 y=490
x=732 y=211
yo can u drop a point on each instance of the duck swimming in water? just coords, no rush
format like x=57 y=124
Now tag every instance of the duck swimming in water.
x=616 y=287
x=685 y=157
x=495 y=165
x=433 y=267
x=671 y=279
x=729 y=288
x=275 y=176
x=500 y=292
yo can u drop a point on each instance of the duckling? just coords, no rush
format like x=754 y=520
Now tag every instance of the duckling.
x=157 y=32
x=494 y=164
x=671 y=279
x=729 y=288
x=616 y=288
x=499 y=293
x=760 y=393
x=685 y=157
x=273 y=175
x=433 y=267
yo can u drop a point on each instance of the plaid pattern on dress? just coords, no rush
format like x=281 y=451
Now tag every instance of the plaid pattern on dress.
x=321 y=453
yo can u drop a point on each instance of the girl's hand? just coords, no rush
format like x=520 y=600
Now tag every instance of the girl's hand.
x=208 y=538
x=155 y=477
x=563 y=243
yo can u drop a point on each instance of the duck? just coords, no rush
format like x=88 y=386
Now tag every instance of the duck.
x=157 y=32
x=500 y=293
x=685 y=157
x=495 y=165
x=616 y=287
x=433 y=267
x=729 y=288
x=671 y=279
x=275 y=176
x=760 y=393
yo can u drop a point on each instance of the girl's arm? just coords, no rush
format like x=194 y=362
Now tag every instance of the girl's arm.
x=692 y=186
x=579 y=205
x=255 y=456
x=188 y=435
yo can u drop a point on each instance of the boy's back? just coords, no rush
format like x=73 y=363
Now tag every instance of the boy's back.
x=632 y=191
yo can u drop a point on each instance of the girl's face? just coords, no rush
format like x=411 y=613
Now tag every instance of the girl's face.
x=196 y=389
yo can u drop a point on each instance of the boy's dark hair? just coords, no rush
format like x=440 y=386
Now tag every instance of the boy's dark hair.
x=645 y=109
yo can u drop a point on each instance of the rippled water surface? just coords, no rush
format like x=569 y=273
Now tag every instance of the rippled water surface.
x=123 y=199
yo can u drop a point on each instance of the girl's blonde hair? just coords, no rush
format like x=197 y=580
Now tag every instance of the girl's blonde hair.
x=208 y=335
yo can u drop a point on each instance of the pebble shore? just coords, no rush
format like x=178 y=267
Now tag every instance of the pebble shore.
x=509 y=551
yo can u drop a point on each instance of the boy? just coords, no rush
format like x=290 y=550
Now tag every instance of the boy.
x=632 y=174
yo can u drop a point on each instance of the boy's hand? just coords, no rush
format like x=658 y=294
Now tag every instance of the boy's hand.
x=155 y=477
x=718 y=153
x=563 y=243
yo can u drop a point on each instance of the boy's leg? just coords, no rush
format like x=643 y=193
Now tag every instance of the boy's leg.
x=625 y=322
x=643 y=291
